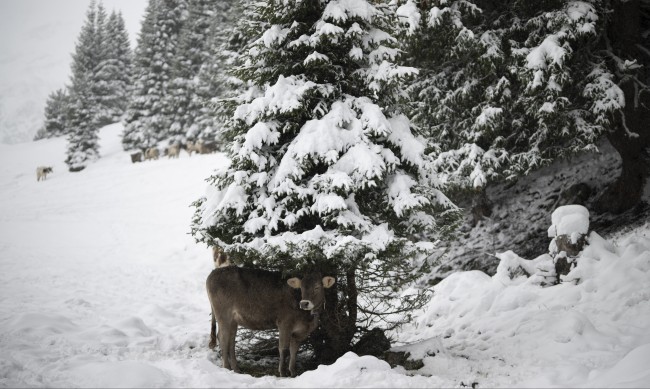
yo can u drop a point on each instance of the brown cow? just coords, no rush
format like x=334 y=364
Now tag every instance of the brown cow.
x=136 y=157
x=201 y=147
x=206 y=147
x=261 y=300
x=191 y=147
x=173 y=151
x=220 y=257
x=151 y=153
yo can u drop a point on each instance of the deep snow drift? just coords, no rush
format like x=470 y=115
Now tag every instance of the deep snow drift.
x=102 y=286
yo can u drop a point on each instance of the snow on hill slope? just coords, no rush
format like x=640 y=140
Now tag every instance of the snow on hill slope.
x=101 y=286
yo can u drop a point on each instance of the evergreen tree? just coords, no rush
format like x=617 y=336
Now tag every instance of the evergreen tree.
x=82 y=141
x=150 y=114
x=192 y=54
x=99 y=79
x=215 y=83
x=113 y=73
x=56 y=111
x=325 y=170
x=506 y=87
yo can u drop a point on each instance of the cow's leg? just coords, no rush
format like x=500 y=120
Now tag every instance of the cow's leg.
x=213 y=334
x=282 y=347
x=224 y=344
x=293 y=350
x=231 y=348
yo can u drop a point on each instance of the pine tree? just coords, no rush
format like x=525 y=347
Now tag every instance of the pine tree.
x=113 y=73
x=191 y=55
x=507 y=87
x=83 y=140
x=150 y=114
x=56 y=112
x=625 y=33
x=215 y=83
x=99 y=77
x=325 y=170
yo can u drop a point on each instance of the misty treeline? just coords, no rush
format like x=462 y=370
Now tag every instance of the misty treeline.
x=353 y=125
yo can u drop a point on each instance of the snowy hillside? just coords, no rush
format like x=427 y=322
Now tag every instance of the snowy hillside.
x=102 y=286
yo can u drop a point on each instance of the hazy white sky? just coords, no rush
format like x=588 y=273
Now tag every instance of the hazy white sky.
x=37 y=38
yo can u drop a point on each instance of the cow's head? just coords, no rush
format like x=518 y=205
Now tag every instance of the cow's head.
x=312 y=289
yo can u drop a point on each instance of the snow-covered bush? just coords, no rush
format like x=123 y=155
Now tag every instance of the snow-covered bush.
x=569 y=233
x=325 y=169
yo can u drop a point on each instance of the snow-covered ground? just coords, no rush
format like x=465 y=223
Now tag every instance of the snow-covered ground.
x=102 y=286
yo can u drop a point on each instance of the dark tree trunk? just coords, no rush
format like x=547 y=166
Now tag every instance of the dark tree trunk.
x=338 y=322
x=630 y=134
x=481 y=206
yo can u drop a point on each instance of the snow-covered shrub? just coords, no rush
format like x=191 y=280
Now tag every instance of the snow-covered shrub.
x=570 y=224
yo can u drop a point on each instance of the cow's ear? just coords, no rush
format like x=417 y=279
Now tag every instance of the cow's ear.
x=294 y=282
x=328 y=281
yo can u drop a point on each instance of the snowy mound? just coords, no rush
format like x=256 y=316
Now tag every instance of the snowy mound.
x=509 y=330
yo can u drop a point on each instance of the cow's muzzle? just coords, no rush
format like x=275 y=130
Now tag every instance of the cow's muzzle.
x=306 y=305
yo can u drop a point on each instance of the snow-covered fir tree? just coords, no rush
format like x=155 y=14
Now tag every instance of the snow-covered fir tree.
x=506 y=87
x=215 y=81
x=99 y=77
x=113 y=73
x=149 y=115
x=101 y=68
x=56 y=111
x=325 y=169
x=82 y=140
x=191 y=55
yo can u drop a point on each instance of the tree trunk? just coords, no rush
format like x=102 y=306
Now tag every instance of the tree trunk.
x=630 y=134
x=338 y=322
x=481 y=206
x=627 y=190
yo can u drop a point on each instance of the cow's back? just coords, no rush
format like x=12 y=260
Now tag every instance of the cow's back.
x=253 y=298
